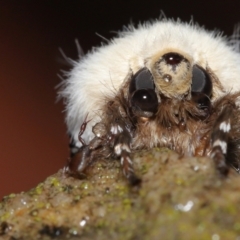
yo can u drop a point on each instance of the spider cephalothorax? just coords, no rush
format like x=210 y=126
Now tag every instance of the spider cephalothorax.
x=165 y=92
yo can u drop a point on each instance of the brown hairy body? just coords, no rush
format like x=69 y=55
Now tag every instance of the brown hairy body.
x=178 y=125
x=169 y=103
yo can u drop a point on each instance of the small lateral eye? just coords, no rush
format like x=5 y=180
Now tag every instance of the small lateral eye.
x=173 y=58
x=143 y=79
x=201 y=81
x=143 y=99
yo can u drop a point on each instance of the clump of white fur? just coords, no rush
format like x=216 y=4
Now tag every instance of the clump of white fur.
x=101 y=73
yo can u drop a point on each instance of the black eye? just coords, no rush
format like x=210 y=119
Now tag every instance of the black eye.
x=143 y=79
x=143 y=99
x=202 y=100
x=201 y=82
x=173 y=58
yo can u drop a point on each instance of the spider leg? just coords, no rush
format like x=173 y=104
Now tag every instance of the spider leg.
x=122 y=149
x=82 y=129
x=128 y=170
x=83 y=158
x=237 y=169
x=77 y=162
x=220 y=139
x=72 y=146
x=74 y=149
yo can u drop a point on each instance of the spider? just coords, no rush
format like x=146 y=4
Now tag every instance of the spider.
x=163 y=84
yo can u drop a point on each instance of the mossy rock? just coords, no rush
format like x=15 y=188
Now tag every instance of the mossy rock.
x=179 y=198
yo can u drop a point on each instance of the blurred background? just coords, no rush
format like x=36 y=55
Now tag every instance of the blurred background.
x=33 y=141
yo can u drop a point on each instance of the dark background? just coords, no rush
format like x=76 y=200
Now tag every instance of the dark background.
x=33 y=143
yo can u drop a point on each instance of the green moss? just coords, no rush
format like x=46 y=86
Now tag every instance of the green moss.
x=5 y=217
x=144 y=169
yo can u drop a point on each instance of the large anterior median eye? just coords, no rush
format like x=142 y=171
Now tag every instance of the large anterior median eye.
x=143 y=99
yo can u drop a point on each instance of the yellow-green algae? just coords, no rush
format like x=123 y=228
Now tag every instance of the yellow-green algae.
x=180 y=198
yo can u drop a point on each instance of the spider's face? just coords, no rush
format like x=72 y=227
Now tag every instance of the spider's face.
x=170 y=76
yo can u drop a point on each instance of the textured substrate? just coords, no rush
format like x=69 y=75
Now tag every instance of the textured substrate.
x=180 y=198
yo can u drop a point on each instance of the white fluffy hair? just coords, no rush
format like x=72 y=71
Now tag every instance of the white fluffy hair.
x=101 y=73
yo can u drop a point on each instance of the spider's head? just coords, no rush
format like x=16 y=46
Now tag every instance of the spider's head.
x=169 y=76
